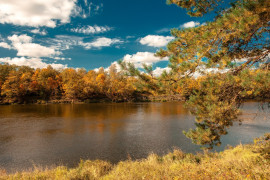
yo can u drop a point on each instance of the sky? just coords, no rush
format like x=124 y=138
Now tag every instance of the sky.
x=88 y=33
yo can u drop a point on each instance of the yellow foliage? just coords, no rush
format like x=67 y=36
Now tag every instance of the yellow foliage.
x=249 y=92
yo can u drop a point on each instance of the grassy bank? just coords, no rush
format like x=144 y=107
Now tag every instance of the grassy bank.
x=241 y=162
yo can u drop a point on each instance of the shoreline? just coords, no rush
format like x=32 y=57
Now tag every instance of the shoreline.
x=250 y=161
x=160 y=98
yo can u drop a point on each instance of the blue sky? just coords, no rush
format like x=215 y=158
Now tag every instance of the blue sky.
x=88 y=33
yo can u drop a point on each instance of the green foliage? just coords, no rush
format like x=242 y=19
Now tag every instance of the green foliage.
x=195 y=7
x=146 y=81
x=239 y=32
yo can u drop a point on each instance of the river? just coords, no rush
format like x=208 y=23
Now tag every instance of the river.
x=62 y=134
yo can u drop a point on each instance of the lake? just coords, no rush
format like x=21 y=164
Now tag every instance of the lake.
x=62 y=134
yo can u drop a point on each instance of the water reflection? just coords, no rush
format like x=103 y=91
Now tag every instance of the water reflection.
x=62 y=134
x=70 y=118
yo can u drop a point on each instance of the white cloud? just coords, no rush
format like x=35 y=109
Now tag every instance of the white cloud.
x=138 y=60
x=31 y=62
x=115 y=63
x=95 y=8
x=30 y=53
x=87 y=9
x=36 y=13
x=164 y=30
x=91 y=29
x=155 y=40
x=5 y=45
x=34 y=50
x=130 y=37
x=38 y=31
x=61 y=58
x=20 y=39
x=190 y=24
x=100 y=42
x=158 y=71
x=85 y=2
x=63 y=42
x=202 y=70
x=23 y=44
x=141 y=58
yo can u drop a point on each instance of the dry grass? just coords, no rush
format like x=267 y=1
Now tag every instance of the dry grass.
x=241 y=162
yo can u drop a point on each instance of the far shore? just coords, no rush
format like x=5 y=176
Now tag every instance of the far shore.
x=161 y=98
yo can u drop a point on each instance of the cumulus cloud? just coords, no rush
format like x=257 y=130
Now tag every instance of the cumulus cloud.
x=100 y=42
x=91 y=29
x=23 y=44
x=38 y=31
x=30 y=53
x=138 y=60
x=20 y=39
x=141 y=58
x=31 y=62
x=190 y=24
x=5 y=45
x=34 y=50
x=156 y=72
x=155 y=40
x=36 y=13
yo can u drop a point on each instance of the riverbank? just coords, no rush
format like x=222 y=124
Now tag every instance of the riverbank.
x=160 y=98
x=242 y=162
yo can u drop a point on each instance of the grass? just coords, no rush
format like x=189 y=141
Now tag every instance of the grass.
x=241 y=162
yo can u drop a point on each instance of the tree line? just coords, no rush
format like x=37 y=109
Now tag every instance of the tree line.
x=22 y=84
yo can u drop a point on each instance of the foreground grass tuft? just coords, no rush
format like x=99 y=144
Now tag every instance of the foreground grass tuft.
x=241 y=162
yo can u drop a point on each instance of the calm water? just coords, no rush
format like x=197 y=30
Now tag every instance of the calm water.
x=48 y=135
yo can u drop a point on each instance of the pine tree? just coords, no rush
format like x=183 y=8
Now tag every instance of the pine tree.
x=236 y=42
x=239 y=33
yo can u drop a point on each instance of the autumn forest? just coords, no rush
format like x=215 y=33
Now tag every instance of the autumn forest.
x=27 y=85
